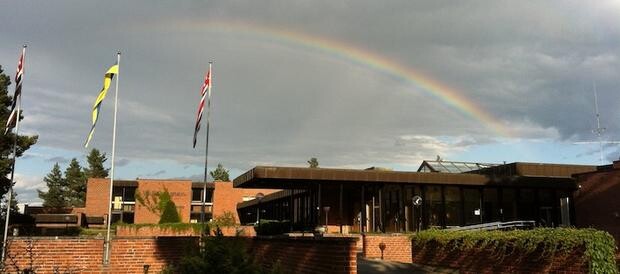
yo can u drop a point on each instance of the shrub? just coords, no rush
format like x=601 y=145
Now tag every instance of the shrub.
x=169 y=214
x=220 y=254
x=599 y=246
x=272 y=227
x=227 y=219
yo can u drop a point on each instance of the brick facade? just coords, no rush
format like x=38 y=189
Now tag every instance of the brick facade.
x=225 y=197
x=397 y=247
x=131 y=255
x=180 y=193
x=97 y=197
x=596 y=202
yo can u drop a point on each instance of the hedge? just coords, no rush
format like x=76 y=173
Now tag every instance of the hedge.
x=600 y=248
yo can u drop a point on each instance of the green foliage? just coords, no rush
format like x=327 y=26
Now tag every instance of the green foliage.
x=227 y=219
x=57 y=186
x=220 y=174
x=313 y=163
x=176 y=227
x=7 y=140
x=155 y=201
x=272 y=227
x=220 y=254
x=75 y=194
x=170 y=214
x=95 y=168
x=599 y=245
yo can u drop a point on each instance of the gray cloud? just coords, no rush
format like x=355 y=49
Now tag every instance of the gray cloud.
x=529 y=65
x=58 y=159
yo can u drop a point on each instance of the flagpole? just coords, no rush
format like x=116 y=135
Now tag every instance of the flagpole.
x=106 y=258
x=204 y=190
x=10 y=192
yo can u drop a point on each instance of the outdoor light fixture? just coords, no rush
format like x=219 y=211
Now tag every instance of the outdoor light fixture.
x=146 y=268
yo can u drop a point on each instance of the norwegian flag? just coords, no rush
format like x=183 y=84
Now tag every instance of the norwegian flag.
x=205 y=93
x=12 y=120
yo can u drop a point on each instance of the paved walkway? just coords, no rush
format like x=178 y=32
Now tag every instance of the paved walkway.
x=372 y=266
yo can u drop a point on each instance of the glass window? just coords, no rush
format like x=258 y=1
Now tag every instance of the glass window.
x=509 y=205
x=196 y=194
x=130 y=194
x=433 y=205
x=453 y=205
x=527 y=208
x=209 y=195
x=128 y=217
x=117 y=191
x=546 y=201
x=490 y=208
x=472 y=206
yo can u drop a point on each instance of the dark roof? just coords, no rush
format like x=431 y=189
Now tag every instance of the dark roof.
x=535 y=170
x=517 y=174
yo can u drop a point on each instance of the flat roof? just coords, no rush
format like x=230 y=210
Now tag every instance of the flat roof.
x=517 y=174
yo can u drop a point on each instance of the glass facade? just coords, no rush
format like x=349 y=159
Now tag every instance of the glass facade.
x=452 y=195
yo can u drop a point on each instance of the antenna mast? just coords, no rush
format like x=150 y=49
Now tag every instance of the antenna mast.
x=598 y=131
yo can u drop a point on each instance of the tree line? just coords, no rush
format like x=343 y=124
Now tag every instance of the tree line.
x=70 y=190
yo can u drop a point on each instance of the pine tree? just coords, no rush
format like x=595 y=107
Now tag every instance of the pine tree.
x=313 y=163
x=220 y=174
x=95 y=165
x=57 y=188
x=76 y=184
x=6 y=140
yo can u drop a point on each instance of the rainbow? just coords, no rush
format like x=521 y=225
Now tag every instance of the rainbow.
x=360 y=57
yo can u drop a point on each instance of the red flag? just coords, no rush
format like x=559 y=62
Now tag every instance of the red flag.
x=11 y=121
x=206 y=88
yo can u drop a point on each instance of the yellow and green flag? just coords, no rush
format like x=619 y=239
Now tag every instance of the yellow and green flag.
x=107 y=80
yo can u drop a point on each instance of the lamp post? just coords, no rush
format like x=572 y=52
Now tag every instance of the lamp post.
x=326 y=209
x=259 y=196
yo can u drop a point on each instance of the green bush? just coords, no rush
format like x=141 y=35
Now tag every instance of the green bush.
x=220 y=254
x=197 y=228
x=169 y=214
x=272 y=227
x=599 y=246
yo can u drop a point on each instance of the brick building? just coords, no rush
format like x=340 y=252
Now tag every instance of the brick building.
x=597 y=202
x=221 y=197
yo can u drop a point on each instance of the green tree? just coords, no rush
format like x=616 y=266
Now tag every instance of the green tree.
x=169 y=214
x=220 y=174
x=313 y=162
x=56 y=189
x=76 y=184
x=6 y=140
x=95 y=168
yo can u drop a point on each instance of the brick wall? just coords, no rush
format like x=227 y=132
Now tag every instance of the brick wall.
x=180 y=193
x=397 y=247
x=97 y=197
x=225 y=197
x=85 y=255
x=130 y=254
x=337 y=255
x=596 y=202
x=483 y=261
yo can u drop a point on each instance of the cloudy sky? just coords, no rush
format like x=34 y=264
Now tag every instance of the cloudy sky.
x=353 y=83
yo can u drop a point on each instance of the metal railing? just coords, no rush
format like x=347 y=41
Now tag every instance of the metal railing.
x=497 y=226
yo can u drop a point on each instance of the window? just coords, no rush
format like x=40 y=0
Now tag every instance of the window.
x=527 y=207
x=129 y=194
x=472 y=206
x=433 y=205
x=509 y=205
x=490 y=205
x=453 y=206
x=197 y=195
